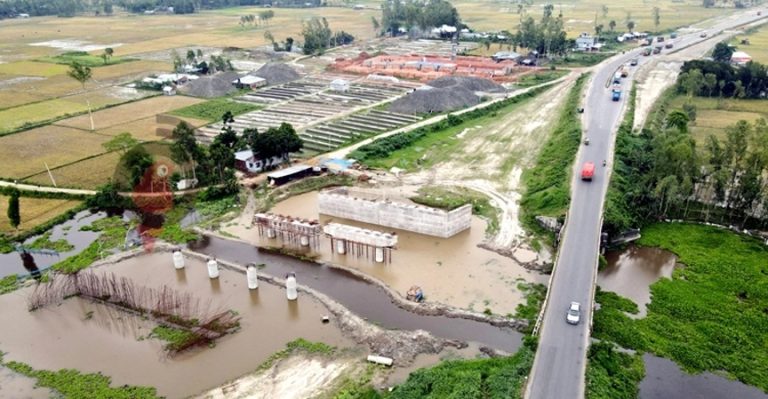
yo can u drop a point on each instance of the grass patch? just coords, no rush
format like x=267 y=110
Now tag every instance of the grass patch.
x=8 y=284
x=501 y=377
x=266 y=200
x=534 y=297
x=296 y=346
x=44 y=242
x=113 y=231
x=214 y=109
x=581 y=59
x=548 y=182
x=84 y=58
x=711 y=316
x=74 y=384
x=450 y=198
x=176 y=338
x=612 y=374
x=540 y=77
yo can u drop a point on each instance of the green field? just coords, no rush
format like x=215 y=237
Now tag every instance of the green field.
x=713 y=115
x=83 y=58
x=213 y=110
x=711 y=315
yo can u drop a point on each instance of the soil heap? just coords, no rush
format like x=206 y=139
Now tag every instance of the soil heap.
x=445 y=94
x=217 y=85
x=276 y=73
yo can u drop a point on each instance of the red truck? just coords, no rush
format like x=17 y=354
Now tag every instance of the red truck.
x=588 y=171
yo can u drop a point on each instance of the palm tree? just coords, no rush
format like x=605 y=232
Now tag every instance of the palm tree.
x=82 y=74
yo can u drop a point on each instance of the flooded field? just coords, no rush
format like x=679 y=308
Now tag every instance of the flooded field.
x=630 y=273
x=487 y=279
x=665 y=380
x=12 y=263
x=113 y=342
x=17 y=386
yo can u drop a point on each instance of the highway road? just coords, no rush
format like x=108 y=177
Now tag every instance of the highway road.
x=560 y=364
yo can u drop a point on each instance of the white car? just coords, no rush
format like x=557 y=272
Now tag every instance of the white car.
x=574 y=313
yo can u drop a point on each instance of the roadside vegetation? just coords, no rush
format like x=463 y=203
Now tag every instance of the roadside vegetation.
x=548 y=182
x=74 y=384
x=711 y=315
x=534 y=298
x=212 y=110
x=538 y=78
x=450 y=198
x=612 y=374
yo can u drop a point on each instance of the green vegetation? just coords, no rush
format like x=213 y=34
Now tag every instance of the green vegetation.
x=538 y=78
x=581 y=59
x=534 y=297
x=711 y=315
x=612 y=374
x=213 y=110
x=8 y=284
x=548 y=183
x=450 y=198
x=76 y=385
x=176 y=338
x=618 y=212
x=44 y=242
x=295 y=346
x=84 y=58
x=406 y=150
x=113 y=231
x=358 y=387
x=500 y=377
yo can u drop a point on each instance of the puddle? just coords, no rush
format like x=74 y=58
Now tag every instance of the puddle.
x=665 y=380
x=12 y=263
x=487 y=279
x=60 y=336
x=75 y=45
x=631 y=272
x=368 y=301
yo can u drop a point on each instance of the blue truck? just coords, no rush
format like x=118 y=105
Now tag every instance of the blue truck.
x=616 y=93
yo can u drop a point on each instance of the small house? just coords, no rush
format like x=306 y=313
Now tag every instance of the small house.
x=245 y=161
x=249 y=82
x=292 y=173
x=23 y=16
x=506 y=56
x=169 y=91
x=740 y=58
x=585 y=42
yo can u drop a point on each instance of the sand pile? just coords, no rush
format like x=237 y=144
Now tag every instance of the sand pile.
x=435 y=100
x=216 y=85
x=276 y=73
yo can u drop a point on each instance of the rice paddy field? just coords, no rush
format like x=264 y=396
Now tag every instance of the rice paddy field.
x=713 y=115
x=129 y=112
x=758 y=43
x=34 y=211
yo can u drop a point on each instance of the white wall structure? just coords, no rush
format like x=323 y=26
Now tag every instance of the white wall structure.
x=362 y=207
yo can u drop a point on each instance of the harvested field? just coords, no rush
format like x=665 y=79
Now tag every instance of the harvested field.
x=144 y=129
x=100 y=169
x=277 y=73
x=13 y=98
x=24 y=154
x=17 y=117
x=34 y=212
x=130 y=70
x=129 y=112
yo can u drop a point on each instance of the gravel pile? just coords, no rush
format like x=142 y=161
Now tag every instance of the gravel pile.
x=277 y=73
x=435 y=100
x=217 y=85
x=473 y=84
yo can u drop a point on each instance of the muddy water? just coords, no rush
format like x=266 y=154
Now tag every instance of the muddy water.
x=110 y=341
x=631 y=272
x=366 y=300
x=11 y=263
x=665 y=380
x=453 y=271
x=17 y=386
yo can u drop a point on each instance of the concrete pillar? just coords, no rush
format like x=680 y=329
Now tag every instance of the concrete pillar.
x=213 y=268
x=271 y=233
x=304 y=241
x=178 y=259
x=291 y=291
x=379 y=255
x=340 y=247
x=252 y=276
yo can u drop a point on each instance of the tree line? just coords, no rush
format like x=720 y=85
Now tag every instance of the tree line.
x=421 y=14
x=663 y=172
x=318 y=36
x=718 y=78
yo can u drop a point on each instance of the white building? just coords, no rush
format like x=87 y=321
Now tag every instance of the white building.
x=740 y=58
x=340 y=85
x=249 y=81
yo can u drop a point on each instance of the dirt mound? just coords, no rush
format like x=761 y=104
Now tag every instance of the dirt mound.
x=470 y=83
x=217 y=85
x=276 y=73
x=435 y=100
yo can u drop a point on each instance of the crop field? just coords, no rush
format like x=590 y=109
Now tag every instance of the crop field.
x=129 y=112
x=34 y=211
x=15 y=118
x=713 y=116
x=32 y=68
x=580 y=15
x=99 y=170
x=758 y=44
x=143 y=129
x=23 y=154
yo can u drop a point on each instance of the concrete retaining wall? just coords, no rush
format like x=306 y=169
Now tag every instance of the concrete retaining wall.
x=416 y=218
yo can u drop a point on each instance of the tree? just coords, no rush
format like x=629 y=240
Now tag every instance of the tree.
x=656 y=17
x=722 y=52
x=107 y=197
x=14 y=215
x=82 y=74
x=708 y=3
x=108 y=8
x=692 y=82
x=190 y=56
x=630 y=26
x=376 y=25
x=136 y=162
x=598 y=30
x=122 y=143
x=317 y=35
x=275 y=142
x=679 y=120
x=185 y=150
x=612 y=25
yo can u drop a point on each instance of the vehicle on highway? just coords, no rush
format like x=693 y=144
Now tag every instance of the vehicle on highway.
x=759 y=13
x=586 y=141
x=588 y=171
x=634 y=62
x=657 y=49
x=669 y=44
x=703 y=34
x=624 y=71
x=617 y=77
x=673 y=36
x=616 y=93
x=647 y=51
x=573 y=316
x=659 y=39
